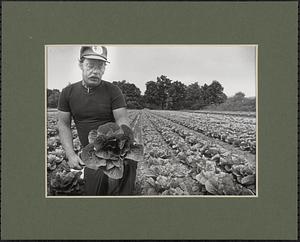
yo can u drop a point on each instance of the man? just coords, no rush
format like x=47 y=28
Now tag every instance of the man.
x=92 y=102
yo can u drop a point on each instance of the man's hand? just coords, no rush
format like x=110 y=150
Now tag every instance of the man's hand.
x=128 y=132
x=75 y=162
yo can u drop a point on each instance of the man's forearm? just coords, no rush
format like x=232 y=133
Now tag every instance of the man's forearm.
x=124 y=121
x=66 y=139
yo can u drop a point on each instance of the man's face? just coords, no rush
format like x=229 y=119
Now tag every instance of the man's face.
x=92 y=71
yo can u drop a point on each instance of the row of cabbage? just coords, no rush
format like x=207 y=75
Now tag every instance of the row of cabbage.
x=161 y=173
x=237 y=131
x=231 y=113
x=214 y=169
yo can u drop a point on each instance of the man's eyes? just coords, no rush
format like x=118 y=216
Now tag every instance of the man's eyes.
x=90 y=66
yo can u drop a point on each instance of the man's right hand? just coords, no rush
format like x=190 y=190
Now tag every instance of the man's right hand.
x=75 y=162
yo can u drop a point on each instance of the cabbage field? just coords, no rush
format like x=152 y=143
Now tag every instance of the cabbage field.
x=185 y=153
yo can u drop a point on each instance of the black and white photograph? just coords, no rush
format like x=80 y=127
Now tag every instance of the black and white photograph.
x=151 y=120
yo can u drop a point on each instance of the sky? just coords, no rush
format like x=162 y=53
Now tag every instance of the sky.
x=233 y=66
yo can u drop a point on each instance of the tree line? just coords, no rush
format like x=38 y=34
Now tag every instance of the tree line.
x=164 y=94
x=52 y=98
x=238 y=102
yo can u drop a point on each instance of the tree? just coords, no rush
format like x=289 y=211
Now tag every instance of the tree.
x=52 y=98
x=204 y=96
x=199 y=97
x=131 y=93
x=238 y=102
x=157 y=93
x=215 y=93
x=176 y=96
x=49 y=92
x=193 y=95
x=151 y=95
x=163 y=86
x=239 y=96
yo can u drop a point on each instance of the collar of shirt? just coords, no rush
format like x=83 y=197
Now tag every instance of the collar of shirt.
x=89 y=89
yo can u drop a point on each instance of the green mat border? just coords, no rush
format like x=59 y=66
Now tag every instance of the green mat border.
x=28 y=26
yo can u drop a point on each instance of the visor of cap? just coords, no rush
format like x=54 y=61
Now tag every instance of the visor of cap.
x=96 y=57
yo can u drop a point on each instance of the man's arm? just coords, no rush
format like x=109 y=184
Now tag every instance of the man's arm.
x=65 y=134
x=121 y=116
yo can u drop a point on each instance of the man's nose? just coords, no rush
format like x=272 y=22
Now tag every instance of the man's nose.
x=96 y=70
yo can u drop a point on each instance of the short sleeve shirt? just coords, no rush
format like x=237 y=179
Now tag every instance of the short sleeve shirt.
x=90 y=108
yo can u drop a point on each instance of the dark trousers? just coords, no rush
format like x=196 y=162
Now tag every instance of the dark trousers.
x=99 y=184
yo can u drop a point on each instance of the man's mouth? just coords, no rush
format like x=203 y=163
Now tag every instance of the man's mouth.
x=94 y=78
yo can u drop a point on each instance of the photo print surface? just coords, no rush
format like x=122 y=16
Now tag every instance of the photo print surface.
x=151 y=120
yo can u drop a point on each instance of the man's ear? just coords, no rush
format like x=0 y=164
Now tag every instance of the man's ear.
x=80 y=65
x=103 y=68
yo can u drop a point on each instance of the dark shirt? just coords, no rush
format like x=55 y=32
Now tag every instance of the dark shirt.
x=92 y=108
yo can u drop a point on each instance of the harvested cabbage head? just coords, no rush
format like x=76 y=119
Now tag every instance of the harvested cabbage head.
x=108 y=146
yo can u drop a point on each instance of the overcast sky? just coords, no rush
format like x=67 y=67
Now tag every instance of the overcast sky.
x=233 y=66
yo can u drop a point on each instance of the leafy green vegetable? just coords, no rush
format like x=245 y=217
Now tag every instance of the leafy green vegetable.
x=211 y=185
x=92 y=136
x=108 y=129
x=114 y=171
x=136 y=153
x=106 y=154
x=248 y=180
x=90 y=159
x=65 y=182
x=109 y=146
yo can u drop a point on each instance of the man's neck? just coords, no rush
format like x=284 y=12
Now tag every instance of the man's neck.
x=89 y=87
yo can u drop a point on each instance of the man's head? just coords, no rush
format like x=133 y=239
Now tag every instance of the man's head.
x=92 y=62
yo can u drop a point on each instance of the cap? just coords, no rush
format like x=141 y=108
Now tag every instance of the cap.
x=94 y=52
